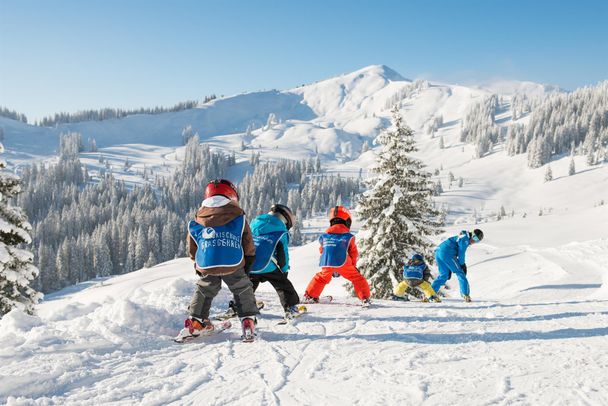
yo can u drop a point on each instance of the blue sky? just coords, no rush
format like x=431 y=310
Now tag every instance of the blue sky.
x=70 y=55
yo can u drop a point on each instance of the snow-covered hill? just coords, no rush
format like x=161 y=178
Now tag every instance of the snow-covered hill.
x=536 y=333
x=333 y=117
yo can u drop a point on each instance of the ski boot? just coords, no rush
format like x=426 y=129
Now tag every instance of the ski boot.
x=434 y=299
x=231 y=312
x=291 y=312
x=366 y=302
x=310 y=299
x=248 y=324
x=403 y=298
x=193 y=328
x=466 y=298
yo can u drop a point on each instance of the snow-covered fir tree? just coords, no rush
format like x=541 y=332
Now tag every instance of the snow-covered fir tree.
x=84 y=230
x=563 y=122
x=571 y=167
x=548 y=174
x=397 y=211
x=17 y=270
x=437 y=188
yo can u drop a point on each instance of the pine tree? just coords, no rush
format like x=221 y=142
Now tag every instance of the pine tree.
x=397 y=211
x=16 y=264
x=548 y=174
x=571 y=167
x=438 y=188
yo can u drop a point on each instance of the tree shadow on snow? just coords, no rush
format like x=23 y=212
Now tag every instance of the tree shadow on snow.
x=502 y=305
x=448 y=338
x=567 y=286
x=460 y=319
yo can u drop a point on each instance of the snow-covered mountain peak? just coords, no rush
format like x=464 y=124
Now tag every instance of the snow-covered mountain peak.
x=381 y=71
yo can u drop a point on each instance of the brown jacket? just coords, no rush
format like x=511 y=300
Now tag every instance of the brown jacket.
x=218 y=216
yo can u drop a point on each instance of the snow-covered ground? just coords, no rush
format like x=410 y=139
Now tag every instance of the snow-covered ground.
x=536 y=333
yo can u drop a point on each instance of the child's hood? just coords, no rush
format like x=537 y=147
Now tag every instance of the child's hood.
x=217 y=211
x=267 y=223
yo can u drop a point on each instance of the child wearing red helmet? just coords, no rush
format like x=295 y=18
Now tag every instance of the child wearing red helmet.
x=221 y=244
x=338 y=256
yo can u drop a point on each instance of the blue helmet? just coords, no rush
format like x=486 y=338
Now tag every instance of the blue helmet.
x=415 y=267
x=417 y=258
x=415 y=263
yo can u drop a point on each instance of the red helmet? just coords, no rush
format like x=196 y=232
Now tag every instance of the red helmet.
x=221 y=187
x=340 y=215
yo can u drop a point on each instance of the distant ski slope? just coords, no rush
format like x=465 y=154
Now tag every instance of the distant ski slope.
x=332 y=117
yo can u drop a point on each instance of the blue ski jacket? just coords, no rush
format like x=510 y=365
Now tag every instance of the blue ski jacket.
x=455 y=247
x=267 y=224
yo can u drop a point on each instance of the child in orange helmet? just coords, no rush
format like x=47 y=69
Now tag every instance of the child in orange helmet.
x=338 y=256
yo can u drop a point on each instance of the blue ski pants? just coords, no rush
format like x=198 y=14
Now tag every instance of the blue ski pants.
x=447 y=264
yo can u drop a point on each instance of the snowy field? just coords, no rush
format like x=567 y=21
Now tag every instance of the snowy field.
x=536 y=333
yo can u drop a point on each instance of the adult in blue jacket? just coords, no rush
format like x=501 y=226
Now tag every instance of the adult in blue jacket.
x=451 y=258
x=271 y=238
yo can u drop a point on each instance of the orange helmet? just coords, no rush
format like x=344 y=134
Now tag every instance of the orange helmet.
x=339 y=215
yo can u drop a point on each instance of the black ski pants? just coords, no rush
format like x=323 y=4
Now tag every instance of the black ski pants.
x=287 y=293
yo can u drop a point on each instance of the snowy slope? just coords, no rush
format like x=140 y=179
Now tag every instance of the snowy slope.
x=333 y=117
x=536 y=333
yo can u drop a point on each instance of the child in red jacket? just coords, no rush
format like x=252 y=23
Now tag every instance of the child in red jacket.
x=338 y=256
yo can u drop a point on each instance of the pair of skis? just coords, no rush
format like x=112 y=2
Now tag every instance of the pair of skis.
x=289 y=318
x=330 y=300
x=248 y=335
x=186 y=337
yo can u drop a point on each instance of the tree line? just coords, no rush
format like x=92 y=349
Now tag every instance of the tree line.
x=84 y=228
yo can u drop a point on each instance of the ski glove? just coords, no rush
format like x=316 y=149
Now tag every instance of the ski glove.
x=464 y=268
x=249 y=260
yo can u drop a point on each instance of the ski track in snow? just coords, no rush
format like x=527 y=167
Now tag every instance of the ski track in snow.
x=542 y=340
x=536 y=333
x=394 y=353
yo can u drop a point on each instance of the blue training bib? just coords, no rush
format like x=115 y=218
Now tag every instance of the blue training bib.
x=218 y=246
x=414 y=271
x=265 y=246
x=335 y=249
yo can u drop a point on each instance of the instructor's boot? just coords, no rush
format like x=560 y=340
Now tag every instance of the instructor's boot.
x=466 y=298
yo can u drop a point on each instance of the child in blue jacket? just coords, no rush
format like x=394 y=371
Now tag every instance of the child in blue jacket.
x=416 y=273
x=450 y=257
x=271 y=238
